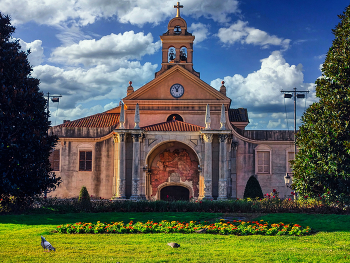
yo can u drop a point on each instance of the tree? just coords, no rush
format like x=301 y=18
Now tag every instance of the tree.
x=24 y=142
x=84 y=199
x=322 y=165
x=253 y=189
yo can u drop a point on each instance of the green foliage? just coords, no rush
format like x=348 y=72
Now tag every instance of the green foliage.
x=322 y=165
x=222 y=227
x=84 y=199
x=252 y=189
x=24 y=143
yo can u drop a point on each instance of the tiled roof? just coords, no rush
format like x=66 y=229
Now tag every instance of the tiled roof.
x=238 y=115
x=173 y=126
x=97 y=121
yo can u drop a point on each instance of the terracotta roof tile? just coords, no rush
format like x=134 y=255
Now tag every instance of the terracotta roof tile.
x=97 y=121
x=173 y=126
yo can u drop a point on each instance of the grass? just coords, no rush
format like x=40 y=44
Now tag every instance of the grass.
x=20 y=240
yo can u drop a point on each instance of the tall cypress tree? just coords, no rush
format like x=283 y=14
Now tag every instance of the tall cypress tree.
x=322 y=166
x=24 y=142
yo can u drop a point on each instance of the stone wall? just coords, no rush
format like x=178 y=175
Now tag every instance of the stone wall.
x=99 y=181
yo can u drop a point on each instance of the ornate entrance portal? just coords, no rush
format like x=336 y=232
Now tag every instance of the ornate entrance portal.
x=174 y=193
x=173 y=172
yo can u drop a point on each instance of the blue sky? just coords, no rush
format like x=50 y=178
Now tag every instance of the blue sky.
x=88 y=51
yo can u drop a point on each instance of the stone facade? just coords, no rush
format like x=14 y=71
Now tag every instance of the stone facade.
x=161 y=139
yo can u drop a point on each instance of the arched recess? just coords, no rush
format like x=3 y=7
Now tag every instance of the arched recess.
x=176 y=193
x=173 y=117
x=183 y=54
x=172 y=163
x=171 y=54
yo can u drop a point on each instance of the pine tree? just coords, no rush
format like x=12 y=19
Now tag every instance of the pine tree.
x=253 y=189
x=24 y=142
x=322 y=165
x=84 y=199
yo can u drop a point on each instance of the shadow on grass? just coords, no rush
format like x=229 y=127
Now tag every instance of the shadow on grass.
x=57 y=219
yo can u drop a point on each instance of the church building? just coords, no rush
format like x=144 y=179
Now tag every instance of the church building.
x=175 y=138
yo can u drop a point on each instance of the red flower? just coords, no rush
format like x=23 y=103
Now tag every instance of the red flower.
x=292 y=193
x=167 y=196
x=274 y=190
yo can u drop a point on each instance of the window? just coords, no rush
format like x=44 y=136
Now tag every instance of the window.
x=263 y=159
x=290 y=156
x=85 y=161
x=263 y=162
x=55 y=160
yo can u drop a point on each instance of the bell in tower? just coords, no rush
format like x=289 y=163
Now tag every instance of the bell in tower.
x=177 y=45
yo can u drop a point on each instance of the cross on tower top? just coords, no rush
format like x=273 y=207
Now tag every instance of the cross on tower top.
x=178 y=6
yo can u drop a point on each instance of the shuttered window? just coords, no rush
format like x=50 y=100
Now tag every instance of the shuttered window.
x=85 y=161
x=263 y=162
x=55 y=160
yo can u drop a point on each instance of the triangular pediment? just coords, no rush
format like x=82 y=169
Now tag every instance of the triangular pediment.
x=159 y=88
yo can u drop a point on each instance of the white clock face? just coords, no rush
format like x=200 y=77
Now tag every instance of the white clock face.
x=177 y=90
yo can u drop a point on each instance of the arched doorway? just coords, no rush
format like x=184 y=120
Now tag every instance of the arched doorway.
x=172 y=163
x=174 y=193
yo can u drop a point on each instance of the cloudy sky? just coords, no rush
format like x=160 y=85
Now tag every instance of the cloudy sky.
x=89 y=50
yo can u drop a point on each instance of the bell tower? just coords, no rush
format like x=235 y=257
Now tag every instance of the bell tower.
x=177 y=45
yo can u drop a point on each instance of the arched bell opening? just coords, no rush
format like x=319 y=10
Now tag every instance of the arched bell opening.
x=183 y=54
x=174 y=193
x=171 y=55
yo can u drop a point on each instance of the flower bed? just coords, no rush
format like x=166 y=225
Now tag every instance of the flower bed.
x=235 y=227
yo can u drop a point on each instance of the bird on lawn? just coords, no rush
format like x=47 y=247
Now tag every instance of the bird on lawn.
x=174 y=245
x=46 y=245
x=203 y=230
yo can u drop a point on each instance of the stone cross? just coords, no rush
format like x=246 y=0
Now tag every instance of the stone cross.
x=207 y=118
x=223 y=118
x=178 y=6
x=137 y=117
x=122 y=117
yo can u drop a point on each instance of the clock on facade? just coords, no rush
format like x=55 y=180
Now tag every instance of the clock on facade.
x=177 y=90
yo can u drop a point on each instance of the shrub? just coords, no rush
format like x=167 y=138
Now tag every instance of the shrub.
x=252 y=189
x=84 y=199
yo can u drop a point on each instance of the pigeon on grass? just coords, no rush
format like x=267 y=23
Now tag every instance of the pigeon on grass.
x=173 y=245
x=46 y=245
x=203 y=230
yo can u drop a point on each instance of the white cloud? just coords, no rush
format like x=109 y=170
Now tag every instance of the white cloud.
x=273 y=124
x=259 y=92
x=107 y=49
x=36 y=55
x=241 y=32
x=136 y=12
x=200 y=31
x=80 y=85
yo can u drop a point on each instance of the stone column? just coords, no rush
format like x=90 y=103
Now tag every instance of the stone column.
x=223 y=179
x=136 y=167
x=208 y=138
x=119 y=171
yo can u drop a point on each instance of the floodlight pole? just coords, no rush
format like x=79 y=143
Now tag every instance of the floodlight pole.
x=48 y=103
x=294 y=91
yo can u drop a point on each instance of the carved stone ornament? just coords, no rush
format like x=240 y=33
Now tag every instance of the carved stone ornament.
x=208 y=137
x=120 y=188
x=223 y=137
x=136 y=137
x=135 y=186
x=222 y=188
x=207 y=187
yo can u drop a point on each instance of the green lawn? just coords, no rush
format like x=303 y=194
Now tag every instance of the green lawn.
x=20 y=240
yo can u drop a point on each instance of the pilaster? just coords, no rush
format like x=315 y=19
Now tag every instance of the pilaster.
x=136 y=167
x=119 y=164
x=223 y=178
